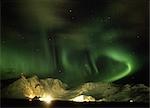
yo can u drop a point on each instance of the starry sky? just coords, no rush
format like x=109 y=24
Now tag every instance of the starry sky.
x=76 y=41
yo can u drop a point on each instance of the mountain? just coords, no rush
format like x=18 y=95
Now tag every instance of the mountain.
x=109 y=92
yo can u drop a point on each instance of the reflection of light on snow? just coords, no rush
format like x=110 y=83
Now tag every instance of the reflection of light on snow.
x=102 y=100
x=78 y=99
x=46 y=99
x=83 y=98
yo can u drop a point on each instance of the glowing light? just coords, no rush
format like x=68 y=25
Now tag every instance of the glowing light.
x=46 y=99
x=121 y=75
x=101 y=100
x=122 y=56
x=30 y=97
x=83 y=98
x=78 y=99
x=131 y=100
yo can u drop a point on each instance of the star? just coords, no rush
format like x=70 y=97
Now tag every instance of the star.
x=108 y=17
x=72 y=17
x=22 y=37
x=138 y=36
x=49 y=39
x=70 y=10
x=60 y=71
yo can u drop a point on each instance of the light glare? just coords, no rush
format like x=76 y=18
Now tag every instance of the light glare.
x=46 y=99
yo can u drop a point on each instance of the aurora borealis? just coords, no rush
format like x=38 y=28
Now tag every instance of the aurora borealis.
x=75 y=41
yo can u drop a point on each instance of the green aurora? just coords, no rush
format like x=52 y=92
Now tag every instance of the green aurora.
x=88 y=51
x=72 y=58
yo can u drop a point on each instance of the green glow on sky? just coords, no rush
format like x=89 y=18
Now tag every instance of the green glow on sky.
x=124 y=57
x=80 y=62
x=13 y=63
x=99 y=48
x=123 y=74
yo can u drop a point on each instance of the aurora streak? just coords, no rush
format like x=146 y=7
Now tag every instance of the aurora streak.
x=52 y=39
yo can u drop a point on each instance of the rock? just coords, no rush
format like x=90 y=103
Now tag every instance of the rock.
x=35 y=87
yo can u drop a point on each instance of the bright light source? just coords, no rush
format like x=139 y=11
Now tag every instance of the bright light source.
x=30 y=97
x=83 y=98
x=131 y=100
x=46 y=99
x=78 y=98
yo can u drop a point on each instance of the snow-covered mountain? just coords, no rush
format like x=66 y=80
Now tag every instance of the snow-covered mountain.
x=35 y=87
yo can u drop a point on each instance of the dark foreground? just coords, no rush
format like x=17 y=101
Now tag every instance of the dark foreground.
x=18 y=103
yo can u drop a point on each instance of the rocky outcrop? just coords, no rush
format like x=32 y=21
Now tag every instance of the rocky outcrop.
x=35 y=87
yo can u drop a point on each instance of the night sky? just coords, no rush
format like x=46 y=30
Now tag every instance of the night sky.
x=76 y=41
